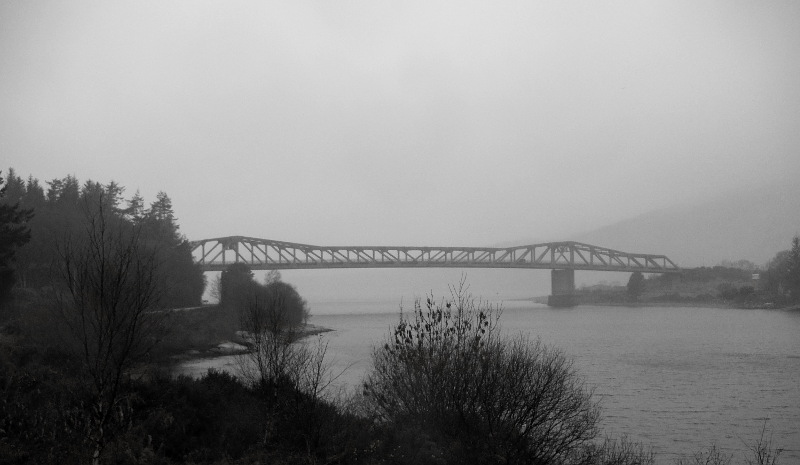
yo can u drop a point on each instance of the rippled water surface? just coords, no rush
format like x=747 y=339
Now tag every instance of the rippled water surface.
x=680 y=379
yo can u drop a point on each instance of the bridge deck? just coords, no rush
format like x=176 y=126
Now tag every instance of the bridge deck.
x=264 y=254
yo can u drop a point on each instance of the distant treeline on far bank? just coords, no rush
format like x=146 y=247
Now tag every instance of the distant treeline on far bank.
x=740 y=284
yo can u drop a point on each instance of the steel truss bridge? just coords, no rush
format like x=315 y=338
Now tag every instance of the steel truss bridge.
x=264 y=254
x=563 y=258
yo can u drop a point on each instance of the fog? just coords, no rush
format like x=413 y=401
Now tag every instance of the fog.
x=410 y=123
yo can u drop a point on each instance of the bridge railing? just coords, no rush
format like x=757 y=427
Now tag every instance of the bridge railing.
x=264 y=254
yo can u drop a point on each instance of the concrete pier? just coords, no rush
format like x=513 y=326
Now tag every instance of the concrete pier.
x=562 y=284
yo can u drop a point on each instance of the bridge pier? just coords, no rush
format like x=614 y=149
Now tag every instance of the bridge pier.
x=562 y=285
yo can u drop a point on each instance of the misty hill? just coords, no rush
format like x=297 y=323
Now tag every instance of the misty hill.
x=749 y=224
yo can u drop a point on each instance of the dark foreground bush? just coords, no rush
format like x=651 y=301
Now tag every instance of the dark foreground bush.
x=447 y=387
x=162 y=420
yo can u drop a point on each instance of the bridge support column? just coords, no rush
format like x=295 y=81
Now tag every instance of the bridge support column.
x=562 y=284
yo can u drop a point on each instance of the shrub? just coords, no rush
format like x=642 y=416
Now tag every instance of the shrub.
x=449 y=374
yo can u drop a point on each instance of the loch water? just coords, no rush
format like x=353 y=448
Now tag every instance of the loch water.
x=677 y=379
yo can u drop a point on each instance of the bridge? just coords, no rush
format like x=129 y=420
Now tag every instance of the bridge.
x=563 y=258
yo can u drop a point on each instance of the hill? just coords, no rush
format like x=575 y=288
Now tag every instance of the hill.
x=751 y=224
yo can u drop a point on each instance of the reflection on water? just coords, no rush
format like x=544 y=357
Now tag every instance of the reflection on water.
x=680 y=379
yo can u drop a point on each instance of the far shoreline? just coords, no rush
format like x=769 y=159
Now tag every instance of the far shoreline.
x=542 y=300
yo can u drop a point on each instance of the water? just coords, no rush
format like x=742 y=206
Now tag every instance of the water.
x=679 y=379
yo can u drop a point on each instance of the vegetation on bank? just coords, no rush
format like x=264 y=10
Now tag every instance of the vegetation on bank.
x=48 y=220
x=739 y=284
x=80 y=378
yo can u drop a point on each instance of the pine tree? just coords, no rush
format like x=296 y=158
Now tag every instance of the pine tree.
x=54 y=190
x=135 y=211
x=792 y=279
x=161 y=221
x=161 y=209
x=70 y=192
x=114 y=196
x=183 y=279
x=92 y=191
x=14 y=233
x=636 y=285
x=34 y=194
x=15 y=189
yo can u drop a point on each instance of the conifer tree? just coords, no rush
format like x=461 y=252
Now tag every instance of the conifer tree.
x=135 y=211
x=54 y=190
x=793 y=271
x=161 y=209
x=636 y=285
x=70 y=192
x=114 y=196
x=15 y=189
x=14 y=233
x=92 y=192
x=34 y=194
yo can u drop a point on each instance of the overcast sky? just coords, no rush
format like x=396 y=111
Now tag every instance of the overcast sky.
x=403 y=122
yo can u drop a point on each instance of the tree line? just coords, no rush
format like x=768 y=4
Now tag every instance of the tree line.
x=86 y=280
x=776 y=284
x=56 y=212
x=782 y=274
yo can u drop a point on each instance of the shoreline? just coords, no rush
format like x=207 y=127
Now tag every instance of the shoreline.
x=542 y=301
x=230 y=347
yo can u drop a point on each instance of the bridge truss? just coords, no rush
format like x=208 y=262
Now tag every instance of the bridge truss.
x=264 y=254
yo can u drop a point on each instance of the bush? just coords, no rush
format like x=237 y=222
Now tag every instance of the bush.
x=450 y=375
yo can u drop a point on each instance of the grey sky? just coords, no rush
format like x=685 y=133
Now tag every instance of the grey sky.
x=418 y=123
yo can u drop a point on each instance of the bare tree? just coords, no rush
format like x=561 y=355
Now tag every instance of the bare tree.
x=109 y=286
x=270 y=336
x=283 y=366
x=764 y=451
x=278 y=352
x=215 y=289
